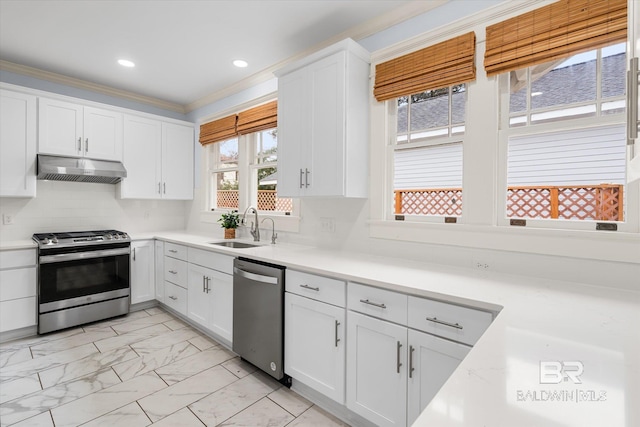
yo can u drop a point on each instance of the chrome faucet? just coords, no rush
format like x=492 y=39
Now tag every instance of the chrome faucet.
x=274 y=235
x=255 y=231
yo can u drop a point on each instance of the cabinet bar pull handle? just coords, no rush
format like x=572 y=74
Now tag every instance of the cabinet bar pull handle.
x=208 y=288
x=173 y=272
x=375 y=304
x=301 y=173
x=134 y=254
x=164 y=188
x=202 y=283
x=337 y=339
x=411 y=368
x=172 y=297
x=79 y=144
x=173 y=251
x=442 y=322
x=306 y=178
x=310 y=287
x=398 y=358
x=86 y=145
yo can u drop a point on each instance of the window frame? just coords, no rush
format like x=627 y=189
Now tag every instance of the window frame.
x=391 y=107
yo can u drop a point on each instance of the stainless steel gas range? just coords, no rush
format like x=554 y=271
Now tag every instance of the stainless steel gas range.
x=82 y=277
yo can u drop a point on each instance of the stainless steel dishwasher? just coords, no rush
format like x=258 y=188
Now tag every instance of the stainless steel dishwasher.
x=258 y=315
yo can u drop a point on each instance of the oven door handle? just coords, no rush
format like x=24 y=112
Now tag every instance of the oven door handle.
x=48 y=259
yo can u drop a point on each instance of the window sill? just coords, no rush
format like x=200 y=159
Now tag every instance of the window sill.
x=600 y=245
x=286 y=223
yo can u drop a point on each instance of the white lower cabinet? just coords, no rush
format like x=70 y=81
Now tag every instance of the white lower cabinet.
x=17 y=289
x=376 y=372
x=142 y=271
x=210 y=293
x=315 y=345
x=432 y=360
x=159 y=255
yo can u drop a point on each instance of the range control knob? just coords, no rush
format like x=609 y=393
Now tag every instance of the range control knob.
x=109 y=236
x=54 y=240
x=46 y=240
x=116 y=236
x=125 y=236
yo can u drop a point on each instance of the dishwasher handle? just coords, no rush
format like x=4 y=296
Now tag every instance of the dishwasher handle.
x=255 y=277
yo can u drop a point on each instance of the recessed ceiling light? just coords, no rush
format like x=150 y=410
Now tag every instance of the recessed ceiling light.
x=240 y=63
x=126 y=63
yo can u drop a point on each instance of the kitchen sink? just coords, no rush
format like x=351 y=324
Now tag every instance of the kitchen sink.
x=235 y=245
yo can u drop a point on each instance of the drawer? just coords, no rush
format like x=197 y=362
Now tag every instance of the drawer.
x=18 y=258
x=387 y=305
x=212 y=260
x=175 y=251
x=17 y=313
x=457 y=323
x=175 y=297
x=324 y=289
x=17 y=283
x=175 y=271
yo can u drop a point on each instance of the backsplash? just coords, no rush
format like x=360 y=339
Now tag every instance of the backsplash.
x=73 y=206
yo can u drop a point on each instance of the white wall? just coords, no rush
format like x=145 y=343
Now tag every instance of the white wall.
x=75 y=206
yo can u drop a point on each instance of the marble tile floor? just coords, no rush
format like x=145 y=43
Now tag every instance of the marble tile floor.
x=146 y=368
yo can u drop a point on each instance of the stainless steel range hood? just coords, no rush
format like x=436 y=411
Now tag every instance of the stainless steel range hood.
x=57 y=168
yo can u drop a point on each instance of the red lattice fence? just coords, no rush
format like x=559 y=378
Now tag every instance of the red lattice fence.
x=267 y=201
x=602 y=202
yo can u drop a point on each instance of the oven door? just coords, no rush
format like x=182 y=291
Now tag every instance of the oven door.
x=70 y=277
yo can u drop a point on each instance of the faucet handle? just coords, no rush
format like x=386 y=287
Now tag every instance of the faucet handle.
x=274 y=236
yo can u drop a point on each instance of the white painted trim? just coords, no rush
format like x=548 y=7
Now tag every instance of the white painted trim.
x=597 y=245
x=87 y=103
x=93 y=87
x=288 y=223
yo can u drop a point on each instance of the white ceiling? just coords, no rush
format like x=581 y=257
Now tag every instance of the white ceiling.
x=183 y=50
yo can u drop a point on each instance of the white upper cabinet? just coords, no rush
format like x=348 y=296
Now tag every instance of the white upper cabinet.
x=158 y=157
x=69 y=129
x=323 y=124
x=17 y=144
x=177 y=162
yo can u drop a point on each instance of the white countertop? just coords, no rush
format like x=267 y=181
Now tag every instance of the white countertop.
x=499 y=382
x=17 y=244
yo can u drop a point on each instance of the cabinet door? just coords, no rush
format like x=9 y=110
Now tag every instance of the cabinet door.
x=17 y=144
x=142 y=271
x=433 y=361
x=159 y=270
x=325 y=156
x=293 y=119
x=177 y=162
x=142 y=159
x=314 y=346
x=59 y=128
x=220 y=289
x=376 y=370
x=102 y=134
x=198 y=305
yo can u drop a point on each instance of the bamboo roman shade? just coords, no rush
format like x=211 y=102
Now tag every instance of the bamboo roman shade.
x=252 y=120
x=218 y=130
x=444 y=64
x=554 y=32
x=258 y=118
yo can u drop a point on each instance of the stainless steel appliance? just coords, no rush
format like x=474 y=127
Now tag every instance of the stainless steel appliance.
x=57 y=168
x=82 y=277
x=258 y=315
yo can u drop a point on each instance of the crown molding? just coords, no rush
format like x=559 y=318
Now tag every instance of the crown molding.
x=401 y=14
x=94 y=87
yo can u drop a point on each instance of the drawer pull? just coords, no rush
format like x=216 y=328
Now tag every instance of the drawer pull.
x=375 y=304
x=173 y=251
x=310 y=287
x=172 y=297
x=441 y=322
x=398 y=363
x=173 y=272
x=337 y=339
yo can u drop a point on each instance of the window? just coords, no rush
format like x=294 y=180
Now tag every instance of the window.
x=427 y=152
x=252 y=155
x=565 y=139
